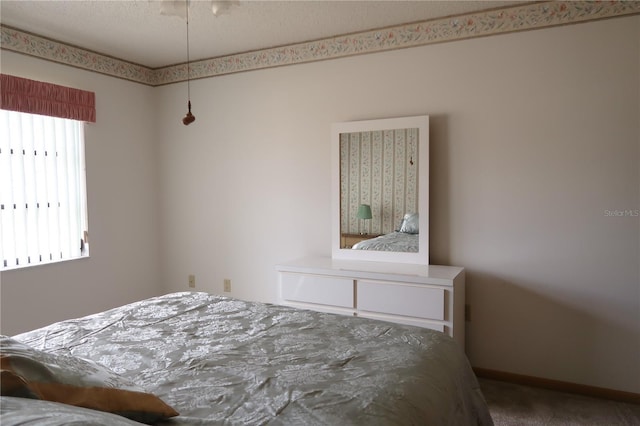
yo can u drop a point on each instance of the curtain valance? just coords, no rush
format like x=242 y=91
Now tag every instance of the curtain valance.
x=37 y=97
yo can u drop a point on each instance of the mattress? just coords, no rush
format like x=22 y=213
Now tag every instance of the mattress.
x=223 y=361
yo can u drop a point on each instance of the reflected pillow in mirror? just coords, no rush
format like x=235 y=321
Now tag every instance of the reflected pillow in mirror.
x=410 y=223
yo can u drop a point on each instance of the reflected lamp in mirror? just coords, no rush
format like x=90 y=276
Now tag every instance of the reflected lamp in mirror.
x=364 y=213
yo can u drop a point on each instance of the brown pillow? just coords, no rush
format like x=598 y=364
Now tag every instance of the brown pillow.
x=29 y=373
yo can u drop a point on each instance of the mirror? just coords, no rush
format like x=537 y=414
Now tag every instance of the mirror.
x=380 y=190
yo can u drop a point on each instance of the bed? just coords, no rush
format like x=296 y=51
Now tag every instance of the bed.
x=404 y=239
x=193 y=358
x=394 y=241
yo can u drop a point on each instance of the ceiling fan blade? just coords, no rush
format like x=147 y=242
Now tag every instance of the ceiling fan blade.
x=173 y=8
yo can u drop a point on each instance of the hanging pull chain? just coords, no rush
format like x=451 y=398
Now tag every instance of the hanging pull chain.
x=189 y=118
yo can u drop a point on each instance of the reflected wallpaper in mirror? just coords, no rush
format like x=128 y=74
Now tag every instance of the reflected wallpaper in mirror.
x=379 y=169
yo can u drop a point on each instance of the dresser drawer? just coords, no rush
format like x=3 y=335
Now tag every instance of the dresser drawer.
x=401 y=299
x=433 y=325
x=332 y=291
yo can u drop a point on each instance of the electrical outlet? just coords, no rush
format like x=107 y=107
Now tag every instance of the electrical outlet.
x=467 y=313
x=192 y=281
x=227 y=285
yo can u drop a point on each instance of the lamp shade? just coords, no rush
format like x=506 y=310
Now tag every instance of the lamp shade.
x=364 y=211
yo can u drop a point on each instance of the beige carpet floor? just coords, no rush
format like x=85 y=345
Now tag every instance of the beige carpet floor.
x=516 y=405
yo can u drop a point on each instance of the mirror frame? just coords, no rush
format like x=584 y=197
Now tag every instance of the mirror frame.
x=421 y=122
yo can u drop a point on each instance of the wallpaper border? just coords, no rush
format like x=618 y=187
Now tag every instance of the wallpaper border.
x=498 y=21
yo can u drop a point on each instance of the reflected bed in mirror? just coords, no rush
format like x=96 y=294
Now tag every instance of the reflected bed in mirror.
x=404 y=239
x=381 y=190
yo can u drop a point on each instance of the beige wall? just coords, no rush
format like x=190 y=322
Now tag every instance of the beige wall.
x=534 y=137
x=122 y=202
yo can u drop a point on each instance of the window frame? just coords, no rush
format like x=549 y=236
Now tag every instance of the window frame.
x=49 y=178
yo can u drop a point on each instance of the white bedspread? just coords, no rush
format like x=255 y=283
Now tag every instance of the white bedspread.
x=218 y=360
x=394 y=241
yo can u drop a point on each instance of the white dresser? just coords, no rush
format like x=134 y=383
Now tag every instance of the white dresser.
x=427 y=296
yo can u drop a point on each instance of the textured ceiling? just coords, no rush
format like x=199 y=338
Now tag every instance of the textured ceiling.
x=137 y=31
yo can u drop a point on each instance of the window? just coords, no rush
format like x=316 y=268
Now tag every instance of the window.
x=43 y=209
x=43 y=214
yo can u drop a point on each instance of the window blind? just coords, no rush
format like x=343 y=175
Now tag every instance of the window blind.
x=42 y=189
